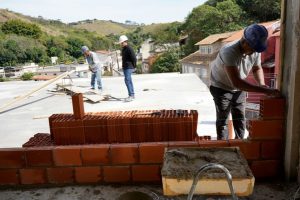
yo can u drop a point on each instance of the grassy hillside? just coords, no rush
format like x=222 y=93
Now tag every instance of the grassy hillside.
x=51 y=27
x=102 y=27
x=7 y=15
x=154 y=28
x=105 y=27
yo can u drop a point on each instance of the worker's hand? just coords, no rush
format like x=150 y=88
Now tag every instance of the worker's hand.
x=273 y=93
x=265 y=86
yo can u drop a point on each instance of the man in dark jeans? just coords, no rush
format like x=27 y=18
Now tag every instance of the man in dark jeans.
x=232 y=65
x=128 y=65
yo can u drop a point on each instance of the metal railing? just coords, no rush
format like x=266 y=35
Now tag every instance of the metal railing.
x=210 y=166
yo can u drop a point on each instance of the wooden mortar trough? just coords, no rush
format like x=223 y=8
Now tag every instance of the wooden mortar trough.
x=181 y=164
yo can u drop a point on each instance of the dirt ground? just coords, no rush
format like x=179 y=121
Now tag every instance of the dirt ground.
x=262 y=191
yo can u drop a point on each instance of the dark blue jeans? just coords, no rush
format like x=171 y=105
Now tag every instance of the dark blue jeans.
x=226 y=102
x=128 y=81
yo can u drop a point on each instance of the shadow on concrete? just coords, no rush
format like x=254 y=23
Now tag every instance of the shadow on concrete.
x=29 y=103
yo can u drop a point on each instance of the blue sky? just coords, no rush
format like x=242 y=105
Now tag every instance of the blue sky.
x=140 y=11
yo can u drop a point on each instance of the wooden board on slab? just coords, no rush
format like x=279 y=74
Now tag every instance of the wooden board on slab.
x=88 y=94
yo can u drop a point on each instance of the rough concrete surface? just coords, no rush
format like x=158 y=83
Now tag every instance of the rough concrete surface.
x=262 y=191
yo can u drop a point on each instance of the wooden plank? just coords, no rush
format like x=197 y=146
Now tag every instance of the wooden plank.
x=35 y=90
x=88 y=94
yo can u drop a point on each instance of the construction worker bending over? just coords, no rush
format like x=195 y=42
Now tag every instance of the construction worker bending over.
x=227 y=81
x=94 y=66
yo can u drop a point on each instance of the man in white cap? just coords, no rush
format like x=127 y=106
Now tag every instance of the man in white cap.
x=228 y=72
x=128 y=65
x=94 y=66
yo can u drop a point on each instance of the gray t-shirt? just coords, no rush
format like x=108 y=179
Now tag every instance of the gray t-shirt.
x=94 y=62
x=231 y=55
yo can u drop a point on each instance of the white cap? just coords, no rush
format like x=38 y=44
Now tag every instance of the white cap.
x=122 y=38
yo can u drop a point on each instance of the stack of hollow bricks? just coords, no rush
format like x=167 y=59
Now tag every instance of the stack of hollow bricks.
x=137 y=162
x=124 y=127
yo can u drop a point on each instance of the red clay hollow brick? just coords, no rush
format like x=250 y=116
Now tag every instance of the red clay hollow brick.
x=12 y=158
x=183 y=144
x=87 y=174
x=266 y=168
x=265 y=129
x=91 y=128
x=272 y=149
x=146 y=173
x=76 y=131
x=250 y=149
x=39 y=156
x=67 y=156
x=60 y=175
x=152 y=152
x=116 y=174
x=124 y=153
x=9 y=177
x=33 y=176
x=213 y=143
x=195 y=122
x=78 y=107
x=95 y=154
x=272 y=108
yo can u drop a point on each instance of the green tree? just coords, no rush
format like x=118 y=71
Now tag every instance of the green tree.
x=261 y=10
x=169 y=34
x=205 y=20
x=19 y=27
x=167 y=62
x=37 y=55
x=11 y=53
x=74 y=46
x=7 y=58
x=56 y=46
x=136 y=38
x=231 y=14
x=99 y=43
x=20 y=49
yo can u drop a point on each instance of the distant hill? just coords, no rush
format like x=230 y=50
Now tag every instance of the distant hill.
x=152 y=28
x=104 y=27
x=108 y=27
x=51 y=27
x=7 y=15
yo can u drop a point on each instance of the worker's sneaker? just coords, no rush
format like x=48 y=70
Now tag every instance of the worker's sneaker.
x=92 y=88
x=130 y=98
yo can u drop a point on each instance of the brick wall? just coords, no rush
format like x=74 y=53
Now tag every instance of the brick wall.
x=119 y=163
x=47 y=164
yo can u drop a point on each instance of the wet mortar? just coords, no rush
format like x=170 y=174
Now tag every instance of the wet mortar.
x=183 y=163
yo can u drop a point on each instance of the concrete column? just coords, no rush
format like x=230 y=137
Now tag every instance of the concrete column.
x=291 y=83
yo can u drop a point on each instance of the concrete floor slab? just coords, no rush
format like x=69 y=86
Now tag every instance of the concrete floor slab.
x=25 y=118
